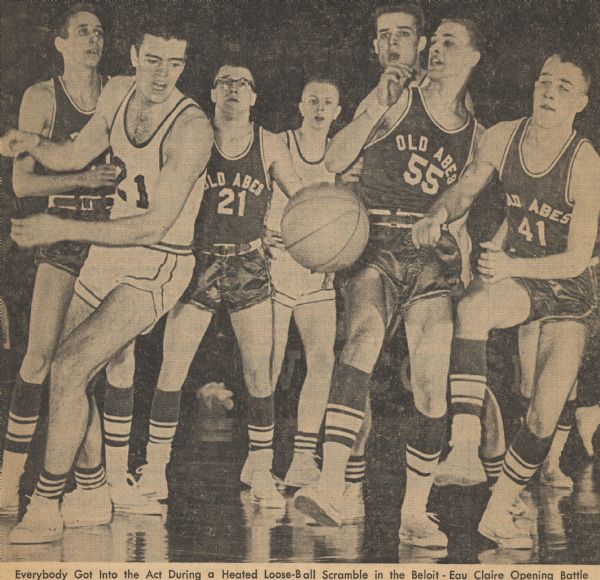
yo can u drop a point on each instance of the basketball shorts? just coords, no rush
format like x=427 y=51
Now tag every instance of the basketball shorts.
x=163 y=275
x=70 y=256
x=294 y=285
x=569 y=298
x=229 y=275
x=411 y=274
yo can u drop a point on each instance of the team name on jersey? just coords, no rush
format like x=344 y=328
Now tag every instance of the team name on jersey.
x=445 y=168
x=247 y=182
x=540 y=208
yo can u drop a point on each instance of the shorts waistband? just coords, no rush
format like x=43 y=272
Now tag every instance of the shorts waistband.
x=79 y=202
x=233 y=249
x=393 y=218
x=171 y=248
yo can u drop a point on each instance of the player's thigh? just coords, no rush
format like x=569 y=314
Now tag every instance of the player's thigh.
x=124 y=314
x=317 y=323
x=52 y=295
x=529 y=335
x=560 y=353
x=253 y=328
x=485 y=306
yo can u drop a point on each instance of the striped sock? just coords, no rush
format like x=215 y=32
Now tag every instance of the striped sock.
x=468 y=383
x=23 y=416
x=347 y=403
x=118 y=414
x=306 y=442
x=90 y=478
x=355 y=469
x=525 y=455
x=261 y=422
x=164 y=418
x=492 y=467
x=51 y=485
x=567 y=417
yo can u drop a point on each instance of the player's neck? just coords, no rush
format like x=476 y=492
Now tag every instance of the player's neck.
x=447 y=96
x=313 y=139
x=232 y=134
x=549 y=140
x=238 y=121
x=83 y=84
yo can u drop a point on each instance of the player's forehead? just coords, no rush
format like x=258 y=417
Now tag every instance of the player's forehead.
x=166 y=48
x=554 y=68
x=320 y=90
x=454 y=31
x=234 y=72
x=83 y=19
x=392 y=21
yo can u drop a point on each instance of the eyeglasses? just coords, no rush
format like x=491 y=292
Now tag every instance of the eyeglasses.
x=233 y=83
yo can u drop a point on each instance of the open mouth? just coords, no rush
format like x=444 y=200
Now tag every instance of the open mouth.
x=319 y=119
x=435 y=61
x=547 y=108
x=92 y=52
x=232 y=100
x=394 y=56
x=156 y=86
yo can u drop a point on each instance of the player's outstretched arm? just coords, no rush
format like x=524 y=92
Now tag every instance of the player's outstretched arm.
x=458 y=198
x=279 y=164
x=186 y=152
x=583 y=231
x=35 y=116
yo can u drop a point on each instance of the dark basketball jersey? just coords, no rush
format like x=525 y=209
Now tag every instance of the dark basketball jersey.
x=538 y=205
x=237 y=194
x=415 y=160
x=68 y=120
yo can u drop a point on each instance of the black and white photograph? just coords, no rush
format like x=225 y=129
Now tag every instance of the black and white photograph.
x=300 y=282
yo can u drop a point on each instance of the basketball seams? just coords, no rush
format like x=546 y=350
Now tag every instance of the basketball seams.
x=350 y=238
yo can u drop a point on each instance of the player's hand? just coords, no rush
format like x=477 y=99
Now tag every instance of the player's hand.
x=494 y=264
x=352 y=175
x=37 y=230
x=15 y=142
x=427 y=232
x=392 y=82
x=99 y=176
x=273 y=239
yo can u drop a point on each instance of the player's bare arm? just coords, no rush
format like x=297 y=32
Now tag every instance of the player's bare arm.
x=35 y=116
x=279 y=162
x=347 y=145
x=458 y=198
x=186 y=153
x=91 y=141
x=585 y=193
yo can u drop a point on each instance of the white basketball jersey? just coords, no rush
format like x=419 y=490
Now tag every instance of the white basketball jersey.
x=140 y=166
x=310 y=172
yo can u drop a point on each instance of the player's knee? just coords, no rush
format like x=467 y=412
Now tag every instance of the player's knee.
x=469 y=320
x=67 y=372
x=258 y=378
x=364 y=342
x=320 y=361
x=35 y=367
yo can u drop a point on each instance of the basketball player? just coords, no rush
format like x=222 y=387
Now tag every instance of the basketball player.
x=540 y=271
x=307 y=296
x=57 y=109
x=141 y=260
x=231 y=269
x=426 y=136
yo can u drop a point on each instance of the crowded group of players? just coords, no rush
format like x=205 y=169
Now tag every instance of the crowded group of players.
x=195 y=225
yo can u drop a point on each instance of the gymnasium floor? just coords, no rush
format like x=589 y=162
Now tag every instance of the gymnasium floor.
x=209 y=519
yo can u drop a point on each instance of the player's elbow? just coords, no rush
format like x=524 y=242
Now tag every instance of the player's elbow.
x=22 y=185
x=333 y=162
x=578 y=264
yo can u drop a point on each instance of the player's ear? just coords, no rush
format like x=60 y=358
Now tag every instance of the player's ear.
x=582 y=103
x=253 y=99
x=375 y=46
x=59 y=44
x=422 y=43
x=338 y=110
x=476 y=57
x=134 y=56
x=213 y=95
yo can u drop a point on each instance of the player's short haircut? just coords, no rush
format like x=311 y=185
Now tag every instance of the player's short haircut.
x=573 y=55
x=413 y=10
x=163 y=26
x=235 y=62
x=472 y=28
x=63 y=21
x=322 y=80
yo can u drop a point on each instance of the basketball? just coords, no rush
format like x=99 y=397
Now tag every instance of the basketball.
x=325 y=227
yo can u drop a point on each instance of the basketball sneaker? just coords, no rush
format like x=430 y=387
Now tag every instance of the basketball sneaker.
x=303 y=471
x=462 y=467
x=264 y=489
x=153 y=480
x=553 y=476
x=9 y=482
x=262 y=460
x=41 y=524
x=352 y=506
x=500 y=527
x=126 y=497
x=419 y=529
x=325 y=508
x=87 y=507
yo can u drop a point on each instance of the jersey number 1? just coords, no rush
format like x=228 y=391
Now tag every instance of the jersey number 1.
x=525 y=230
x=227 y=197
x=142 y=200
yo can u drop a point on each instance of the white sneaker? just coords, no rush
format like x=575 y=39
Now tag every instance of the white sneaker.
x=552 y=476
x=321 y=505
x=153 y=480
x=247 y=469
x=462 y=467
x=9 y=490
x=500 y=527
x=264 y=489
x=87 y=507
x=419 y=529
x=126 y=497
x=262 y=460
x=353 y=504
x=41 y=524
x=302 y=471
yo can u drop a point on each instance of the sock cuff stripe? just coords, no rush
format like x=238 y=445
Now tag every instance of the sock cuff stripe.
x=419 y=473
x=305 y=444
x=339 y=429
x=118 y=418
x=116 y=436
x=422 y=455
x=23 y=420
x=19 y=438
x=478 y=401
x=516 y=477
x=467 y=378
x=270 y=427
x=334 y=407
x=564 y=427
x=514 y=455
x=89 y=471
x=156 y=423
x=254 y=445
x=306 y=438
